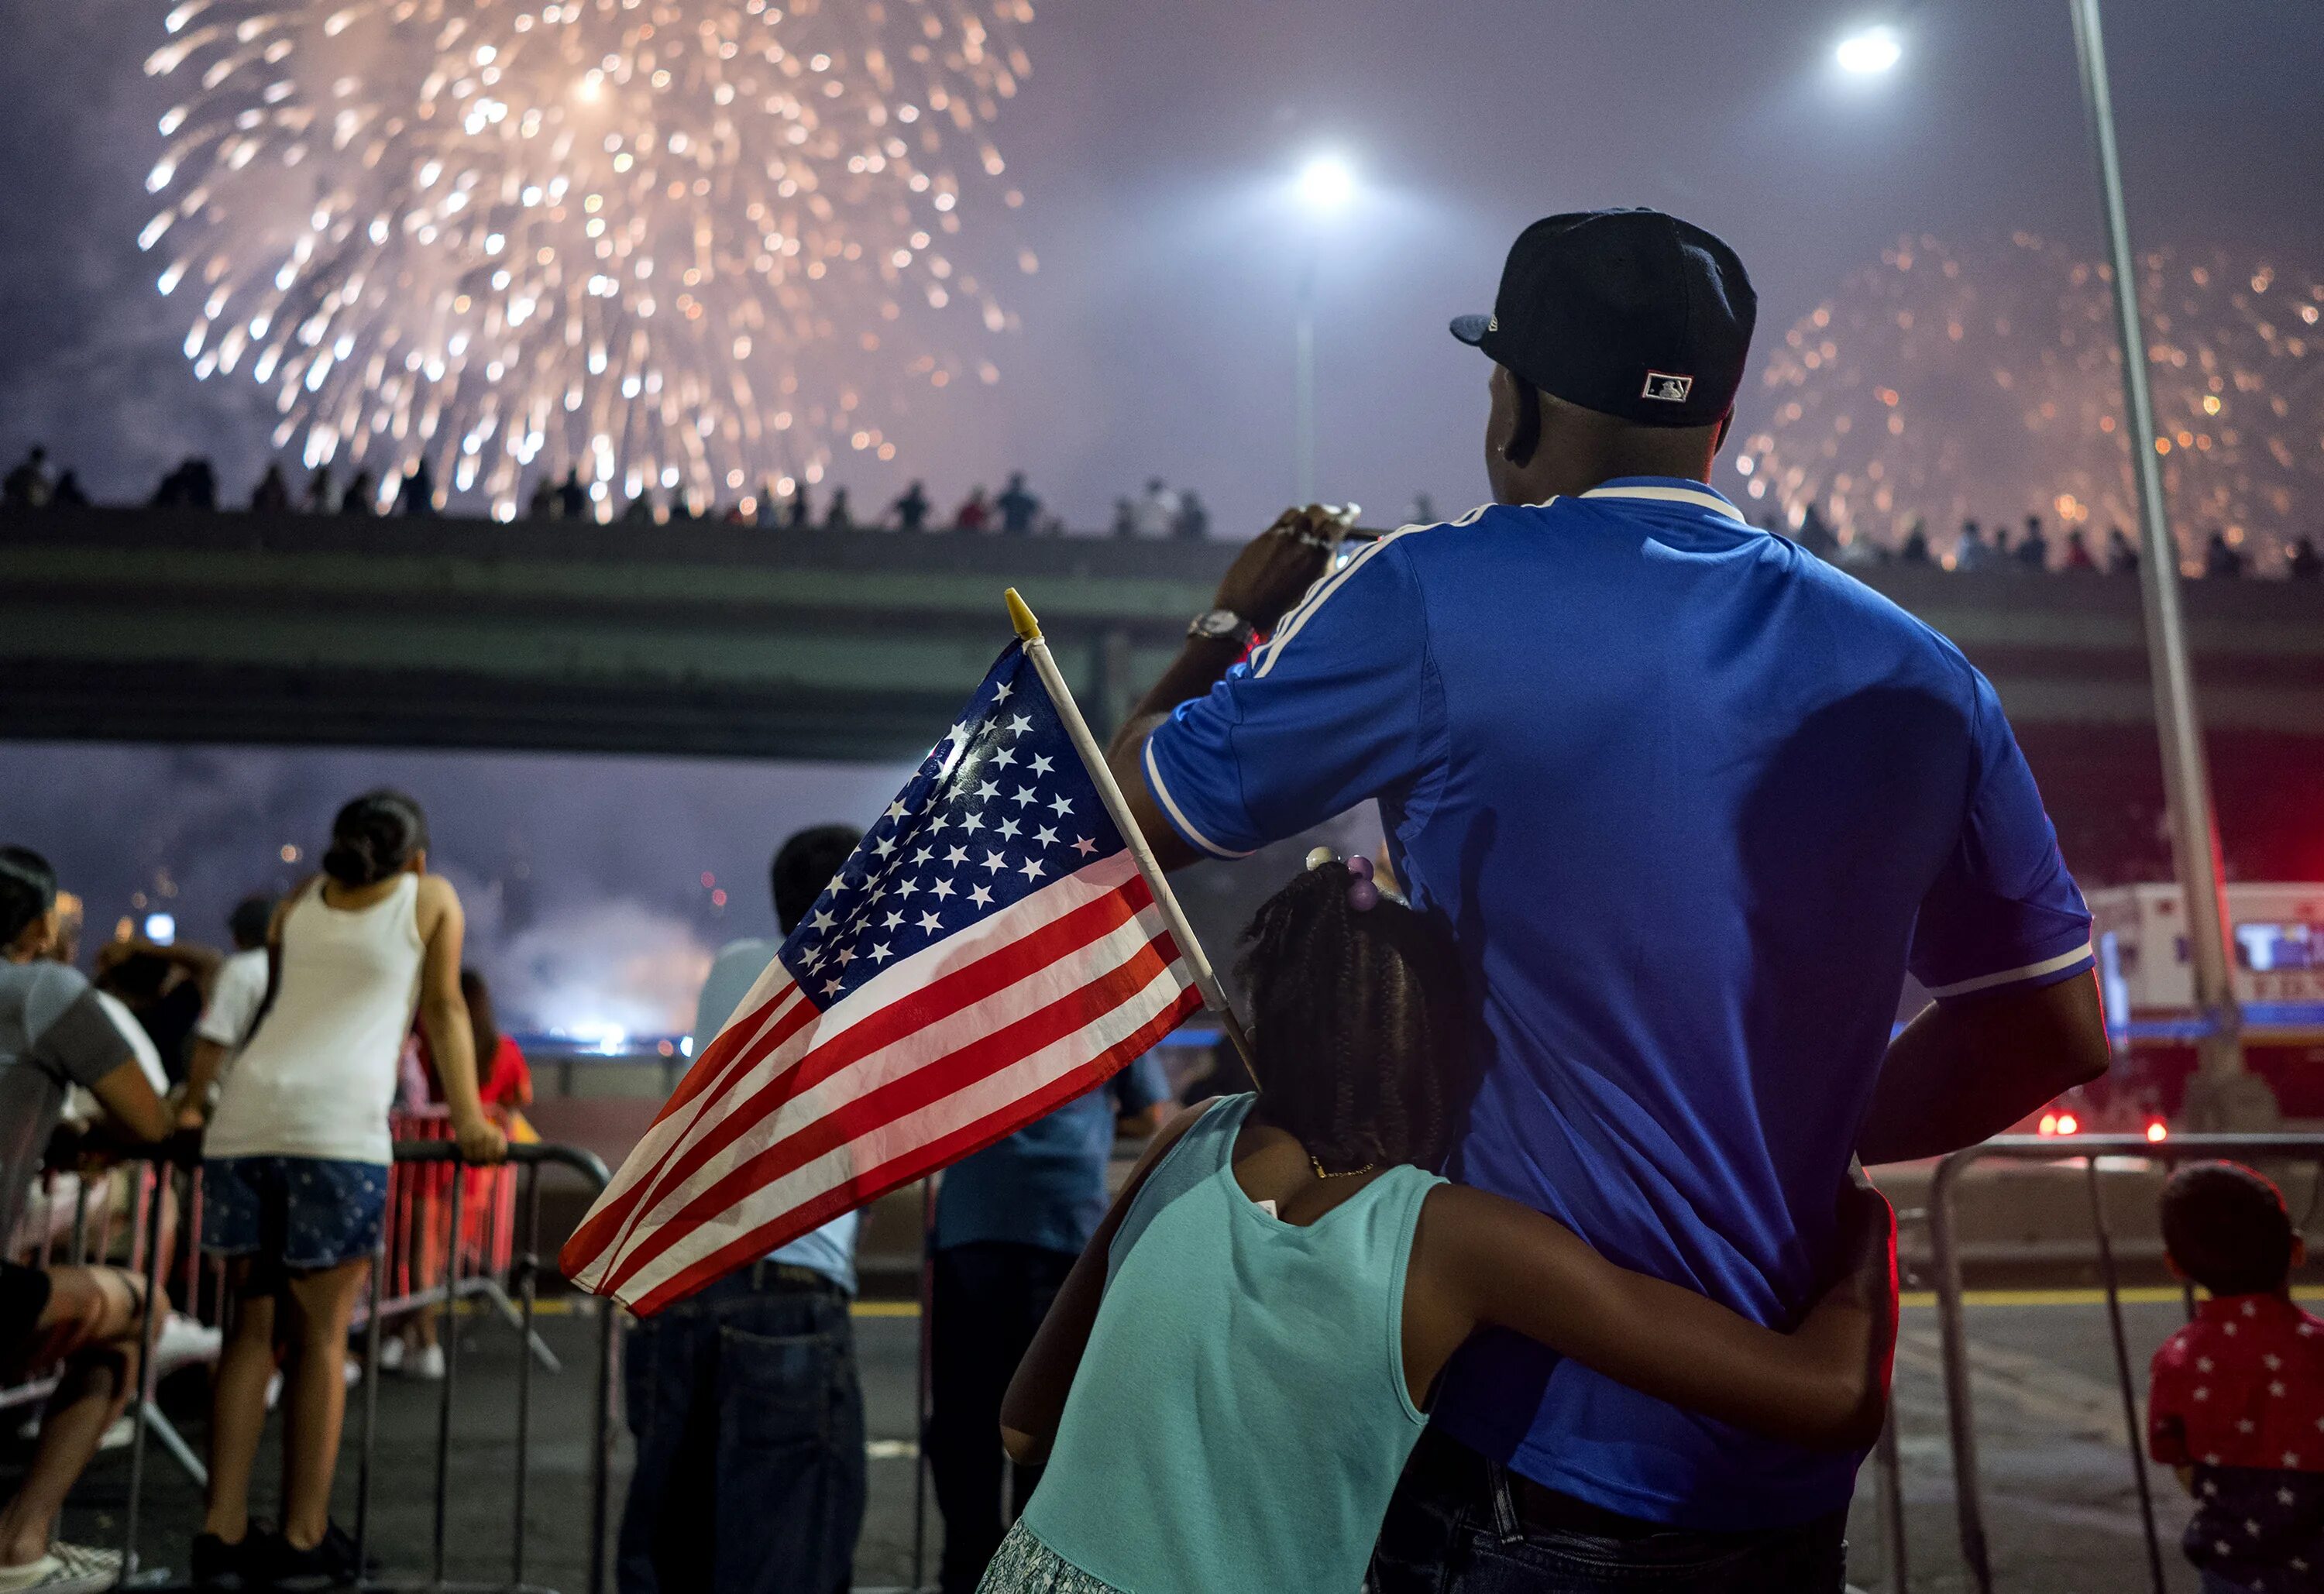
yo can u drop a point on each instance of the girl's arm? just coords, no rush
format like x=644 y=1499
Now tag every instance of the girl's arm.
x=444 y=1016
x=1824 y=1384
x=1037 y=1395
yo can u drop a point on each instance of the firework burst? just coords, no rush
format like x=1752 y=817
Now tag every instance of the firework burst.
x=1941 y=385
x=683 y=244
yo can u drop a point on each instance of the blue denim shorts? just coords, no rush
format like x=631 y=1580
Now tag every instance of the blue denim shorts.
x=304 y=1212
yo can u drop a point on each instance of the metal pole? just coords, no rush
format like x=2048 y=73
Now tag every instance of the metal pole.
x=2186 y=782
x=1960 y=1419
x=921 y=1408
x=2130 y=1426
x=1302 y=397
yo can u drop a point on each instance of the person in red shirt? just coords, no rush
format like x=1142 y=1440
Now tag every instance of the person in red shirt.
x=2235 y=1399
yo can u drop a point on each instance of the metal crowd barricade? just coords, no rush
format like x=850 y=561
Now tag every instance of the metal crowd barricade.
x=524 y=1267
x=1945 y=1258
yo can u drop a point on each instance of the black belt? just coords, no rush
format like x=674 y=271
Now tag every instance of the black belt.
x=1513 y=1501
x=766 y=1274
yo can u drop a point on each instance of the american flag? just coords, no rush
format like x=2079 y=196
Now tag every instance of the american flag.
x=989 y=953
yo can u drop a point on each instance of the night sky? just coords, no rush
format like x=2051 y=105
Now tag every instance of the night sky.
x=1154 y=146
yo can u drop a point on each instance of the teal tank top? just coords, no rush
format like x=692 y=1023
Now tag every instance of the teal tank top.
x=1240 y=1415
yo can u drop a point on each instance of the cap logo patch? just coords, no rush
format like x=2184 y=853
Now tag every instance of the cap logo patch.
x=1669 y=388
x=1492 y=323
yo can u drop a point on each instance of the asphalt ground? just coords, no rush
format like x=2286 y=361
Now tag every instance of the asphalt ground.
x=2061 y=1505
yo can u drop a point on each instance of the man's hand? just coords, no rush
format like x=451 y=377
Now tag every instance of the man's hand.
x=1277 y=567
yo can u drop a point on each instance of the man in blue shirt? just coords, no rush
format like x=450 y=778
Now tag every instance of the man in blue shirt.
x=743 y=1397
x=1694 y=803
x=1009 y=1223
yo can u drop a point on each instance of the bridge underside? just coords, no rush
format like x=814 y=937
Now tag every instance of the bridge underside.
x=138 y=625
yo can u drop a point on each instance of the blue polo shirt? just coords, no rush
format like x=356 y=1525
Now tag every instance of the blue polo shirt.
x=1045 y=1185
x=1692 y=803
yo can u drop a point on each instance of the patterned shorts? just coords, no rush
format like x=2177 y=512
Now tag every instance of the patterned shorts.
x=303 y=1212
x=1024 y=1565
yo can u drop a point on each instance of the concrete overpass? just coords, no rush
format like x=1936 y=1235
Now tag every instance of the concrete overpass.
x=152 y=625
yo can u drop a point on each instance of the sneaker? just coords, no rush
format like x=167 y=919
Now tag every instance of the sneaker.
x=273 y=1389
x=182 y=1342
x=330 y=1564
x=120 y=1433
x=66 y=1568
x=428 y=1364
x=391 y=1354
x=222 y=1567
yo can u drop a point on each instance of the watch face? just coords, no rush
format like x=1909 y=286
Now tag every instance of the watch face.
x=1219 y=623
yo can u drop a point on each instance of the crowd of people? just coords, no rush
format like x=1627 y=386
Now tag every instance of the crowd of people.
x=278 y=1066
x=1159 y=512
x=2033 y=552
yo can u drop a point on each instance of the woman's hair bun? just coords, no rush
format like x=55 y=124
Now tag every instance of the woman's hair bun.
x=373 y=837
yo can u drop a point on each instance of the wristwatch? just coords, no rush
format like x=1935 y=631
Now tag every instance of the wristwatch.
x=1223 y=625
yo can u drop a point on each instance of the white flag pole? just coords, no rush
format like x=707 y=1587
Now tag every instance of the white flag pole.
x=1117 y=807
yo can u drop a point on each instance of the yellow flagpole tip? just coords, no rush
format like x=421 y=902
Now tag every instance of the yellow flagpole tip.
x=1028 y=629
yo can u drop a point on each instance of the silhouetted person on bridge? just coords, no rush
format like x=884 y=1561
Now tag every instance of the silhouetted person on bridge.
x=1019 y=510
x=973 y=512
x=418 y=497
x=362 y=496
x=911 y=510
x=839 y=517
x=319 y=501
x=1915 y=550
x=542 y=504
x=1970 y=554
x=2304 y=563
x=68 y=492
x=2078 y=554
x=572 y=497
x=272 y=496
x=1192 y=523
x=28 y=485
x=2222 y=561
x=2121 y=557
x=799 y=514
x=2034 y=549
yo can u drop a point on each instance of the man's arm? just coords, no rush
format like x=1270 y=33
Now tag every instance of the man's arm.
x=1969 y=1068
x=1266 y=580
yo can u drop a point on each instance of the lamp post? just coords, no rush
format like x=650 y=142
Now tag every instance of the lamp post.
x=2223 y=1096
x=2228 y=1097
x=1326 y=184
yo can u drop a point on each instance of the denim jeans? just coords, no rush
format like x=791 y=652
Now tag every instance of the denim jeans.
x=990 y=1298
x=749 y=1421
x=1454 y=1528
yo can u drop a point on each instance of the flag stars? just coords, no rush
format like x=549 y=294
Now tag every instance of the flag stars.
x=2291 y=1458
x=831 y=987
x=955 y=855
x=891 y=921
x=987 y=790
x=1045 y=837
x=982 y=897
x=821 y=921
x=929 y=922
x=885 y=845
x=880 y=954
x=1031 y=869
x=845 y=956
x=972 y=822
x=1023 y=796
x=908 y=887
x=994 y=860
x=941 y=890
x=923 y=855
x=1000 y=693
x=1043 y=763
x=1060 y=807
x=1085 y=847
x=1019 y=724
x=895 y=810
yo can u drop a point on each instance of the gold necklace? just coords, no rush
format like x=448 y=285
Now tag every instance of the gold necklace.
x=1324 y=1172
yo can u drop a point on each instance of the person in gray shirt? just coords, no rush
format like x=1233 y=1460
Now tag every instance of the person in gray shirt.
x=54 y=1035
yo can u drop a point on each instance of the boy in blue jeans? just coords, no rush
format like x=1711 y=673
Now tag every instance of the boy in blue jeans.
x=2235 y=1399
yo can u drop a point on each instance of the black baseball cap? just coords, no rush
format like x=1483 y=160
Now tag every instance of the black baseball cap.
x=1631 y=313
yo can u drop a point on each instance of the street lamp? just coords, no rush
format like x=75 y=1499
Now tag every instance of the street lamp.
x=1869 y=52
x=1326 y=185
x=2223 y=1095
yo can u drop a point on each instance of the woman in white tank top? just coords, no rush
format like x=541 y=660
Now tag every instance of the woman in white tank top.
x=295 y=1162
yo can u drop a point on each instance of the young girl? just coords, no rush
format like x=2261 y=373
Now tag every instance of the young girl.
x=1240 y=1364
x=294 y=1171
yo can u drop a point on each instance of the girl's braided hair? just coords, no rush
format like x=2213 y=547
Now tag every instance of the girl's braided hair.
x=1358 y=1024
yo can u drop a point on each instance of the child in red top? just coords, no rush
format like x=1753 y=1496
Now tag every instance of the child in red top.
x=2235 y=1401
